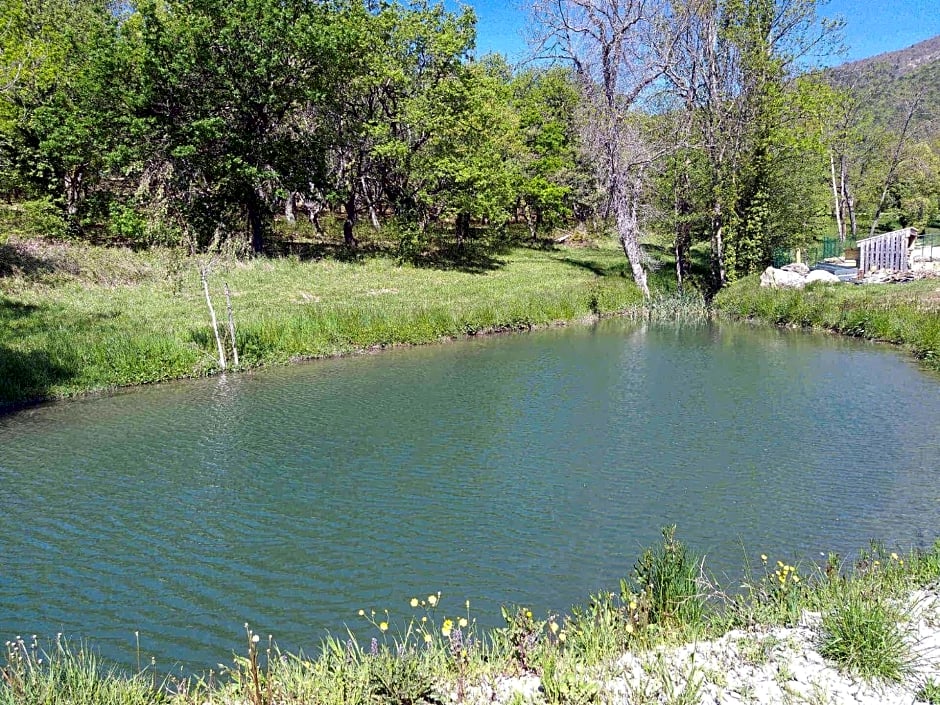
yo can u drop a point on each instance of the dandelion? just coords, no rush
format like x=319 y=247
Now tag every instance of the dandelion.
x=528 y=614
x=447 y=627
x=432 y=600
x=383 y=626
x=414 y=601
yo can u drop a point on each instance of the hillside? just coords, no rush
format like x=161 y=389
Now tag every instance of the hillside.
x=890 y=81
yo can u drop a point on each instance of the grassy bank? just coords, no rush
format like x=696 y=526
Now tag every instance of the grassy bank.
x=77 y=318
x=436 y=654
x=905 y=314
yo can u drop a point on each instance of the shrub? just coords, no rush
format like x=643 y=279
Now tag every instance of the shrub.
x=861 y=635
x=667 y=576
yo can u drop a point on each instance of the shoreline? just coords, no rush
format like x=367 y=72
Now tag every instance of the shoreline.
x=865 y=633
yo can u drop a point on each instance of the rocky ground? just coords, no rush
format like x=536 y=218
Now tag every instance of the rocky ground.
x=759 y=666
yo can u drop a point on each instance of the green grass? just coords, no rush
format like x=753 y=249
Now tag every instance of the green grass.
x=861 y=633
x=905 y=314
x=77 y=318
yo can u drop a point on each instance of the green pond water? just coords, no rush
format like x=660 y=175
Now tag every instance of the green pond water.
x=528 y=469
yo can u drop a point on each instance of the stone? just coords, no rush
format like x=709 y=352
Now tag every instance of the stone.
x=821 y=275
x=797 y=267
x=782 y=279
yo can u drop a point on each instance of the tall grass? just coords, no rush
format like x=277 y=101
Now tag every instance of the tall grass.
x=75 y=318
x=907 y=314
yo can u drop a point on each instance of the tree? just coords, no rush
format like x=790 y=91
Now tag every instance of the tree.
x=617 y=50
x=735 y=59
x=555 y=186
x=67 y=98
x=233 y=93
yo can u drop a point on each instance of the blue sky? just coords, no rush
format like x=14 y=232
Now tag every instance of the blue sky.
x=872 y=26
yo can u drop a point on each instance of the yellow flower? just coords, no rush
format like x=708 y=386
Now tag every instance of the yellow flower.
x=432 y=600
x=447 y=627
x=424 y=619
x=894 y=556
x=462 y=622
x=414 y=601
x=553 y=626
x=562 y=636
x=528 y=614
x=629 y=628
x=632 y=604
x=383 y=626
x=763 y=557
x=428 y=638
x=796 y=578
x=362 y=613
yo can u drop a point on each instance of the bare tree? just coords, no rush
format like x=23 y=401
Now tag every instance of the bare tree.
x=618 y=50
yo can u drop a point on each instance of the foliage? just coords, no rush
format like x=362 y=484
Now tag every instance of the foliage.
x=668 y=577
x=861 y=635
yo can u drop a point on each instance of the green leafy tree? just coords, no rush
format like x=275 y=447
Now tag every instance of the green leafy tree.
x=67 y=100
x=234 y=93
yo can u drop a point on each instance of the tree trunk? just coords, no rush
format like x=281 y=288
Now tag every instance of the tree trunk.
x=463 y=228
x=837 y=197
x=624 y=205
x=289 y=208
x=348 y=237
x=256 y=223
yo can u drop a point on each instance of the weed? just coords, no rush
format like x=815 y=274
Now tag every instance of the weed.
x=861 y=635
x=929 y=692
x=667 y=576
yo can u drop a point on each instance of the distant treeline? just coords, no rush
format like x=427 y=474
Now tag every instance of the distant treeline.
x=203 y=121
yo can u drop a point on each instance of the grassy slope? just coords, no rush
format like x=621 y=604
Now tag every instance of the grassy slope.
x=79 y=318
x=905 y=314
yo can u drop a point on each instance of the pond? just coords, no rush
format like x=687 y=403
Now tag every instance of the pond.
x=527 y=469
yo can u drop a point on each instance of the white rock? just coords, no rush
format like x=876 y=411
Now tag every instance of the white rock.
x=782 y=279
x=821 y=275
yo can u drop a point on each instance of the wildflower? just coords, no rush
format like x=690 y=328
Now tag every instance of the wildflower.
x=362 y=613
x=414 y=601
x=255 y=639
x=447 y=627
x=432 y=600
x=468 y=605
x=632 y=604
x=374 y=647
x=796 y=578
x=763 y=557
x=428 y=638
x=629 y=628
x=528 y=614
x=562 y=636
x=424 y=619
x=553 y=626
x=383 y=626
x=462 y=622
x=894 y=556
